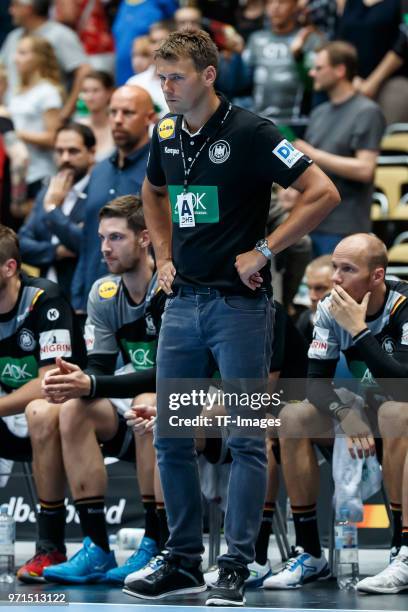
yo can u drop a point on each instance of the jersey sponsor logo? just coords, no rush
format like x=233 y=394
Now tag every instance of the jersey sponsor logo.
x=205 y=203
x=55 y=343
x=167 y=128
x=141 y=354
x=219 y=152
x=107 y=290
x=89 y=336
x=287 y=153
x=170 y=151
x=53 y=314
x=15 y=372
x=404 y=334
x=360 y=371
x=388 y=345
x=26 y=340
x=320 y=342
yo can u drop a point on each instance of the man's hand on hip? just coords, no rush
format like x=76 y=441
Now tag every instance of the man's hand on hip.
x=248 y=265
x=165 y=274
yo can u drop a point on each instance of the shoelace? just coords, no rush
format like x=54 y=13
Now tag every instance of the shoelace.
x=226 y=576
x=157 y=559
x=166 y=567
x=292 y=559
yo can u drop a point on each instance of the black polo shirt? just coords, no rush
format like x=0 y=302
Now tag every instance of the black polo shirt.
x=231 y=183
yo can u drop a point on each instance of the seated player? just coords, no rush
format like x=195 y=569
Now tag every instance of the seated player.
x=124 y=313
x=37 y=324
x=364 y=319
x=319 y=283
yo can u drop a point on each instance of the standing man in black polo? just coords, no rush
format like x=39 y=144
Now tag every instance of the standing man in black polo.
x=206 y=199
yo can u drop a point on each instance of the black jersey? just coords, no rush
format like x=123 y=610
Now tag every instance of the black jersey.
x=234 y=159
x=378 y=353
x=40 y=327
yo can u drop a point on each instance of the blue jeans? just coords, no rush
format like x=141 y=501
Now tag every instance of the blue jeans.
x=237 y=331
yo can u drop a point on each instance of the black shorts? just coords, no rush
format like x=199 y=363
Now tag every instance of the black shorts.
x=122 y=445
x=327 y=451
x=13 y=447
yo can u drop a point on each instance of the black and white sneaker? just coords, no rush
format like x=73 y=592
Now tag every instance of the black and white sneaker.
x=229 y=588
x=169 y=579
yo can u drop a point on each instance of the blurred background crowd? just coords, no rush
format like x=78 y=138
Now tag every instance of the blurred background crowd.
x=70 y=139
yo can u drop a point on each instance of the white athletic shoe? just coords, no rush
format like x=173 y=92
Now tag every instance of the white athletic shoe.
x=299 y=570
x=148 y=569
x=393 y=579
x=394 y=552
x=257 y=575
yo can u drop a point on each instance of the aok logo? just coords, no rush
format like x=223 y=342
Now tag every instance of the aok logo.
x=198 y=203
x=142 y=358
x=16 y=372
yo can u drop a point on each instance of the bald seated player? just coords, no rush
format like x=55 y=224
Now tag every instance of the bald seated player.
x=130 y=115
x=365 y=317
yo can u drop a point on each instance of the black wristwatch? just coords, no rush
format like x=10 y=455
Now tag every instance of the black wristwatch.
x=262 y=247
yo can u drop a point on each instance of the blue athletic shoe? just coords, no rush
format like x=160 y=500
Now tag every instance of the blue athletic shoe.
x=89 y=564
x=147 y=549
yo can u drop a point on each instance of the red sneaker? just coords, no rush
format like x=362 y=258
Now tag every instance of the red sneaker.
x=32 y=571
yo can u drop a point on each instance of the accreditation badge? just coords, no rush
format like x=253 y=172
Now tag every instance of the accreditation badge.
x=185 y=210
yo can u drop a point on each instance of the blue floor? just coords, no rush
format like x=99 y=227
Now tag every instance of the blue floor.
x=316 y=597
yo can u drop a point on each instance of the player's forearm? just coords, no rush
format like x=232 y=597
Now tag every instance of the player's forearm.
x=157 y=212
x=347 y=167
x=16 y=402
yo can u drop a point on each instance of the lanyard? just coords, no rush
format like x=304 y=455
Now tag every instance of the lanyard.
x=187 y=169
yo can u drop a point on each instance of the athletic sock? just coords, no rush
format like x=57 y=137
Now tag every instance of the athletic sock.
x=152 y=530
x=51 y=525
x=404 y=536
x=163 y=526
x=91 y=511
x=262 y=542
x=307 y=532
x=396 y=510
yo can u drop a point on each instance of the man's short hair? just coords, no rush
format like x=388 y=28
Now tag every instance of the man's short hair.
x=9 y=246
x=378 y=256
x=193 y=44
x=41 y=7
x=342 y=53
x=323 y=261
x=84 y=131
x=127 y=207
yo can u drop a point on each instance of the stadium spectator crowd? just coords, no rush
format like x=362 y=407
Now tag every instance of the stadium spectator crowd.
x=81 y=107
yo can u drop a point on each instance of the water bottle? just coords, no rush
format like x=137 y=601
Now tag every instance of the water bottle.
x=290 y=525
x=346 y=543
x=7 y=545
x=129 y=538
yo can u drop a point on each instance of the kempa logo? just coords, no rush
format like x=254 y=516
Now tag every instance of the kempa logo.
x=16 y=372
x=171 y=151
